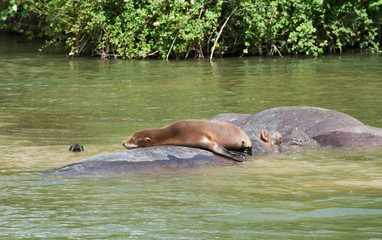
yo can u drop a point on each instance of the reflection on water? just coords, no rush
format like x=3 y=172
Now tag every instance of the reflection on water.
x=300 y=195
x=49 y=102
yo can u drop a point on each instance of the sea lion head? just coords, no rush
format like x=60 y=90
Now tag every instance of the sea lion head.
x=138 y=140
x=76 y=148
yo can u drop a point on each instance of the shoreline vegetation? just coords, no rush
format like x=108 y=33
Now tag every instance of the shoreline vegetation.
x=198 y=29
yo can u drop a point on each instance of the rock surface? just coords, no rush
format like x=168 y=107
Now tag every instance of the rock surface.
x=158 y=159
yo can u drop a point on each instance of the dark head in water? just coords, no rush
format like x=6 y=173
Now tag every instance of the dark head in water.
x=76 y=148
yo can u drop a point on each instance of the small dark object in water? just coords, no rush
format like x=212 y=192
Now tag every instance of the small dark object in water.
x=76 y=148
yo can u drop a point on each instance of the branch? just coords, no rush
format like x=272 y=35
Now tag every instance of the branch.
x=84 y=45
x=275 y=50
x=169 y=51
x=220 y=32
x=200 y=14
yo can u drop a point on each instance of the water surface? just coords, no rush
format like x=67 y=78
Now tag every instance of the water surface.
x=49 y=102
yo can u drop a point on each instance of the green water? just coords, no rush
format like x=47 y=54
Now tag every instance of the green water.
x=49 y=102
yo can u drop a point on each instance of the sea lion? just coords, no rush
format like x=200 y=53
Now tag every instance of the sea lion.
x=216 y=136
x=76 y=148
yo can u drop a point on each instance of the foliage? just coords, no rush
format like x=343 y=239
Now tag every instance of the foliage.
x=191 y=28
x=310 y=27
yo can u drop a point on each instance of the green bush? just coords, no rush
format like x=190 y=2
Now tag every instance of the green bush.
x=196 y=28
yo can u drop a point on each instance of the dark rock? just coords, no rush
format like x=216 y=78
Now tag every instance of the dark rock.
x=158 y=159
x=318 y=124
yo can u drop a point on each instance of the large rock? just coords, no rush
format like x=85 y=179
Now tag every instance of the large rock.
x=158 y=159
x=301 y=127
x=326 y=127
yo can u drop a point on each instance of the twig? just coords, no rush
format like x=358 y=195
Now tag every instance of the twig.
x=169 y=51
x=275 y=50
x=196 y=29
x=208 y=42
x=201 y=55
x=220 y=32
x=84 y=45
x=151 y=54
x=188 y=51
x=200 y=14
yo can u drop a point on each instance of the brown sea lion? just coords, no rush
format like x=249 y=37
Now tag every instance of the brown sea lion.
x=216 y=136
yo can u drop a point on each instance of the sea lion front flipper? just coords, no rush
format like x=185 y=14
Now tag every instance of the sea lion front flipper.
x=248 y=151
x=219 y=149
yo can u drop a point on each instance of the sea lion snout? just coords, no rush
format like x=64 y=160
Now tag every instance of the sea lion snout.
x=129 y=145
